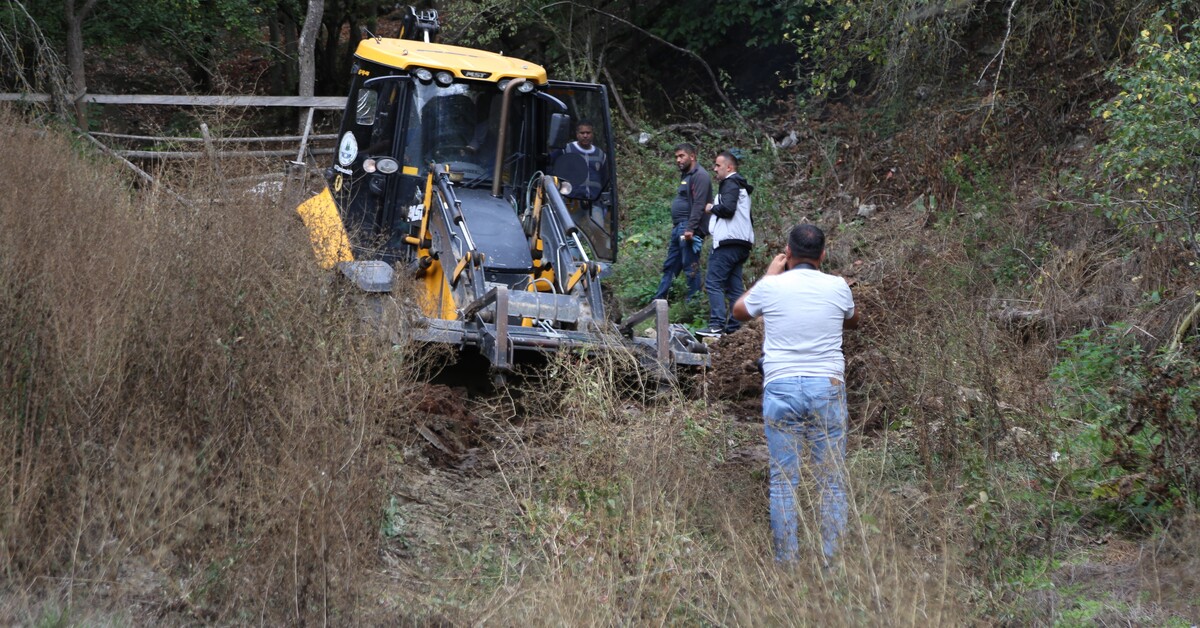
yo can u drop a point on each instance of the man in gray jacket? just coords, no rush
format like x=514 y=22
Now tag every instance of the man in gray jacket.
x=732 y=232
x=687 y=220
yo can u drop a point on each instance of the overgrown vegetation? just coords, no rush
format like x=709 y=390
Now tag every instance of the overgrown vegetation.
x=195 y=428
x=1153 y=126
x=187 y=419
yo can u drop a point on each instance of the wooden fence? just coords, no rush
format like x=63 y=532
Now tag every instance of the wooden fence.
x=211 y=147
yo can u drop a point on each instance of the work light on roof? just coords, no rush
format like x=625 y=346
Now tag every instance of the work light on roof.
x=525 y=87
x=444 y=78
x=424 y=74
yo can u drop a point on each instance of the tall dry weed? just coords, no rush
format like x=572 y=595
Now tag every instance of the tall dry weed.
x=638 y=512
x=191 y=416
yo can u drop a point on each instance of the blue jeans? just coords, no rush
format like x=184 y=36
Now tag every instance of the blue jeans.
x=682 y=256
x=724 y=285
x=805 y=417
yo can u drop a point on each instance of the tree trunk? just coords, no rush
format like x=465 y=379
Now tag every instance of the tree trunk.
x=75 y=20
x=331 y=69
x=307 y=51
x=308 y=43
x=275 y=37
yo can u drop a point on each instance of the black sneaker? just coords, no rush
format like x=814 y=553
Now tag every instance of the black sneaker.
x=710 y=332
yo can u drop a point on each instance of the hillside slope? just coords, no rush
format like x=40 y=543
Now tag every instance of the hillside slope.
x=196 y=430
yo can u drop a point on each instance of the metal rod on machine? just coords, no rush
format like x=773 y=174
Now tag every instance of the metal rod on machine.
x=503 y=135
x=462 y=224
x=500 y=359
x=582 y=251
x=452 y=207
x=560 y=208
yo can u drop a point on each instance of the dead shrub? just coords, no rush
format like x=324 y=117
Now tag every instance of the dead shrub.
x=632 y=515
x=183 y=398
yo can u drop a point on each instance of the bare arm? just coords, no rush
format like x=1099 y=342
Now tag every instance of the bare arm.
x=739 y=309
x=777 y=265
x=853 y=321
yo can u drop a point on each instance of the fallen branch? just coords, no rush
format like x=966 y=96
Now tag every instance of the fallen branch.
x=1183 y=328
x=218 y=140
x=188 y=154
x=1000 y=54
x=142 y=174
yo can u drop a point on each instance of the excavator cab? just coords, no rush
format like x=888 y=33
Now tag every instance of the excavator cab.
x=592 y=198
x=453 y=170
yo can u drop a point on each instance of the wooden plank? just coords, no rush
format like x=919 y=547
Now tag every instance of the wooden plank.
x=219 y=140
x=24 y=97
x=304 y=140
x=177 y=154
x=317 y=102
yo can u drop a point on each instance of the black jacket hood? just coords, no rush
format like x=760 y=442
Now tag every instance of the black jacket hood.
x=741 y=182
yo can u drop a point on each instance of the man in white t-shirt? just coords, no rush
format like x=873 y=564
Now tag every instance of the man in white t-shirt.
x=804 y=393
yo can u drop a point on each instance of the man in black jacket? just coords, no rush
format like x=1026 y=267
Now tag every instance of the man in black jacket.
x=687 y=214
x=732 y=232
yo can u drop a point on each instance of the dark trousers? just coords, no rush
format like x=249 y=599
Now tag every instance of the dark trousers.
x=682 y=256
x=724 y=285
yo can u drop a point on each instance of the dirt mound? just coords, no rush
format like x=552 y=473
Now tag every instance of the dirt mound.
x=734 y=376
x=442 y=424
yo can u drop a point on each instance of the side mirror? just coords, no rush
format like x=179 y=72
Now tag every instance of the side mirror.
x=560 y=130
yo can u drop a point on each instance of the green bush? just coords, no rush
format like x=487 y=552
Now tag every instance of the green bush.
x=1137 y=448
x=1152 y=156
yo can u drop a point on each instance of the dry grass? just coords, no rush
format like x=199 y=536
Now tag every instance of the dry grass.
x=620 y=512
x=190 y=423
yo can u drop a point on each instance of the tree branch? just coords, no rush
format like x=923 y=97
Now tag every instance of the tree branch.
x=617 y=97
x=707 y=68
x=1000 y=54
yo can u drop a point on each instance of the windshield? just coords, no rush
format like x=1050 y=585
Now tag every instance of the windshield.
x=458 y=125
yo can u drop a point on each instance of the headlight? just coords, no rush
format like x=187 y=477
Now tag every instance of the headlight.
x=423 y=74
x=524 y=88
x=564 y=187
x=347 y=150
x=383 y=165
x=387 y=165
x=444 y=78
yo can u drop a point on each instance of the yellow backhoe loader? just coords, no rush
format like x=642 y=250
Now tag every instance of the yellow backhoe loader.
x=452 y=171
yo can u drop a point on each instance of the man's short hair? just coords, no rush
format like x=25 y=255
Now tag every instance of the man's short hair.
x=686 y=147
x=729 y=158
x=806 y=241
x=583 y=123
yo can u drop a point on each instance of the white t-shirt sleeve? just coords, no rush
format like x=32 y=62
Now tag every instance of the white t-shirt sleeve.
x=754 y=298
x=847 y=298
